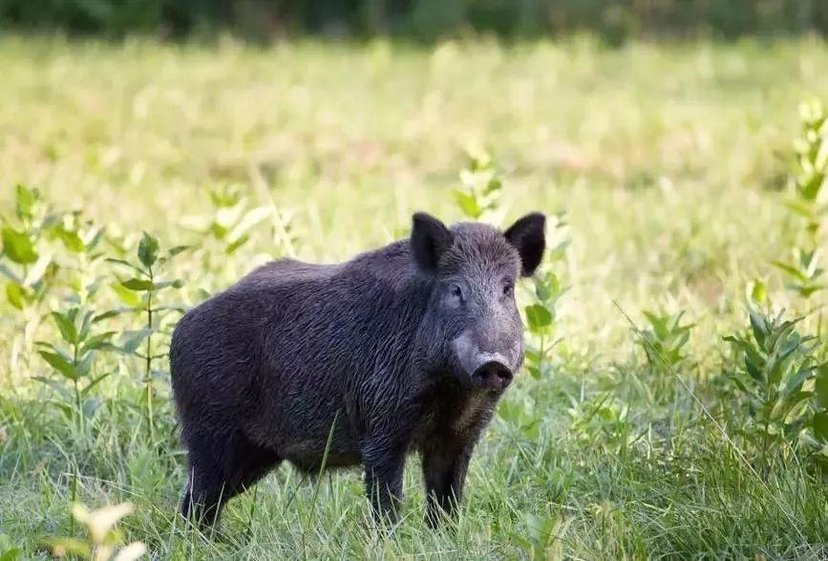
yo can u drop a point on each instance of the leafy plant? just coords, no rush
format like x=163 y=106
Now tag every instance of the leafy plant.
x=231 y=221
x=140 y=292
x=38 y=244
x=541 y=539
x=103 y=537
x=541 y=314
x=479 y=199
x=540 y=322
x=74 y=360
x=807 y=201
x=665 y=340
x=805 y=272
x=777 y=365
x=26 y=248
x=519 y=412
x=601 y=421
x=811 y=167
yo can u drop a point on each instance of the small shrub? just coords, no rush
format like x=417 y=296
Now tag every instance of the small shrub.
x=542 y=537
x=807 y=200
x=140 y=292
x=479 y=199
x=75 y=358
x=774 y=379
x=664 y=341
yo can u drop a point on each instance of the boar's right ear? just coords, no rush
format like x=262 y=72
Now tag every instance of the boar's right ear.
x=429 y=239
x=527 y=236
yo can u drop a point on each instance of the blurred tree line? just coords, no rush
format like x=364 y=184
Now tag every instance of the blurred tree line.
x=422 y=19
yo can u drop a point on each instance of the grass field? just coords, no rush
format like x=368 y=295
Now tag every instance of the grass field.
x=669 y=161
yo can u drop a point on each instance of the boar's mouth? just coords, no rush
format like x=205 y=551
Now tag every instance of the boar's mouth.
x=492 y=374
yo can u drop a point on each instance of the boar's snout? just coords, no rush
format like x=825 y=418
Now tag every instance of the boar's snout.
x=483 y=366
x=492 y=372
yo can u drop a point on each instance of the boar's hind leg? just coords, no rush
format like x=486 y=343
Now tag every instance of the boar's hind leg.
x=220 y=470
x=444 y=472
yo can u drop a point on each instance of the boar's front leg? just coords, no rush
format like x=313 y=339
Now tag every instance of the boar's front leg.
x=444 y=472
x=384 y=463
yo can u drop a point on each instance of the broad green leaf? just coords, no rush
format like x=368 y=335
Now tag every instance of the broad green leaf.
x=739 y=383
x=800 y=207
x=468 y=204
x=538 y=317
x=66 y=327
x=48 y=345
x=100 y=341
x=753 y=365
x=759 y=293
x=795 y=382
x=70 y=238
x=790 y=270
x=84 y=365
x=85 y=325
x=130 y=298
x=784 y=406
x=138 y=284
x=18 y=247
x=148 y=250
x=16 y=295
x=133 y=339
x=759 y=325
x=112 y=313
x=60 y=364
x=25 y=200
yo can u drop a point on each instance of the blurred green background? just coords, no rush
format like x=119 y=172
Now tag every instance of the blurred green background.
x=614 y=21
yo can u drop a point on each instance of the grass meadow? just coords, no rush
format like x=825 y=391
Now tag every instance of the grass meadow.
x=633 y=434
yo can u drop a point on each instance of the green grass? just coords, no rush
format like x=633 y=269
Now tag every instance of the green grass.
x=668 y=160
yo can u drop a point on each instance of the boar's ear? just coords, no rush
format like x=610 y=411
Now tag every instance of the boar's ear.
x=529 y=239
x=429 y=239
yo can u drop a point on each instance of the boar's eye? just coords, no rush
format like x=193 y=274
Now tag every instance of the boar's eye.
x=508 y=289
x=456 y=292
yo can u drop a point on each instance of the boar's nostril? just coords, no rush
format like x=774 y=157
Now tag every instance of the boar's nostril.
x=492 y=374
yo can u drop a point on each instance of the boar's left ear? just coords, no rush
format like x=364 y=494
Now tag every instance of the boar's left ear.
x=429 y=239
x=528 y=237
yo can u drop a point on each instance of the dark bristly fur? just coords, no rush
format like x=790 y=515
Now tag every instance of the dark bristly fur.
x=404 y=348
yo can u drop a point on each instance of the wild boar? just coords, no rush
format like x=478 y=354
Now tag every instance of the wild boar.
x=406 y=348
